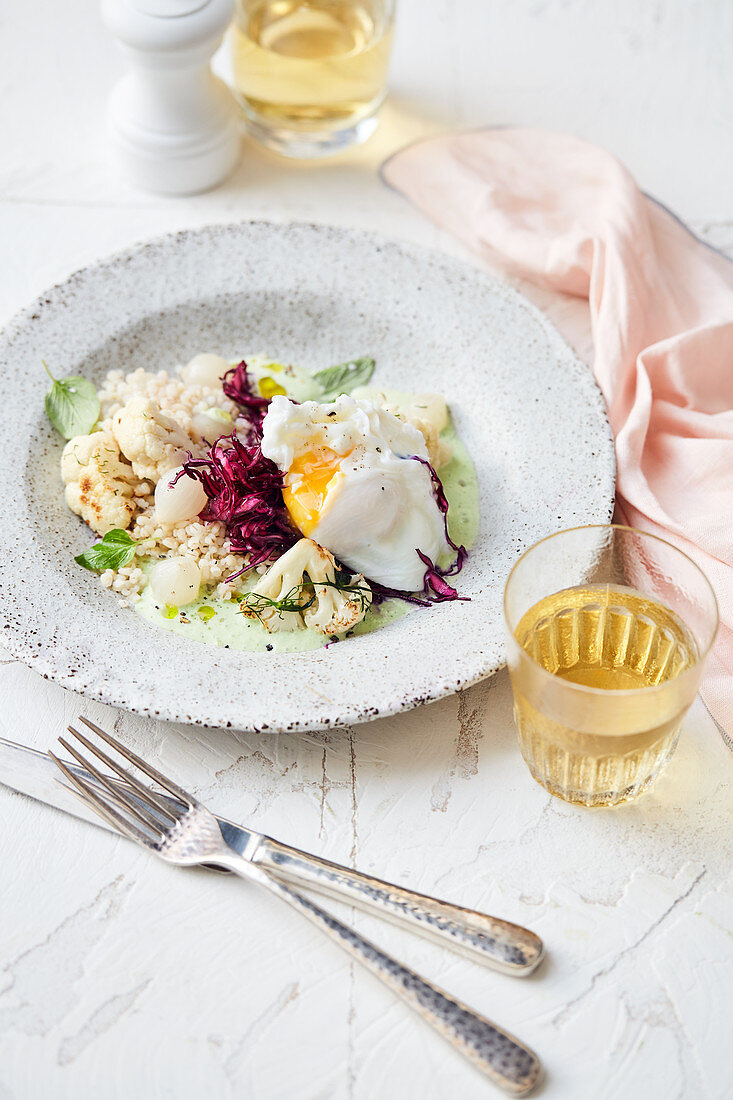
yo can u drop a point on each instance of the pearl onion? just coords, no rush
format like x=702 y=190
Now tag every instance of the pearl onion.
x=175 y=581
x=179 y=502
x=212 y=425
x=205 y=370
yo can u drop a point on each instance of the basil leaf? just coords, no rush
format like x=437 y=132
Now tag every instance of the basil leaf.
x=72 y=405
x=115 y=550
x=344 y=377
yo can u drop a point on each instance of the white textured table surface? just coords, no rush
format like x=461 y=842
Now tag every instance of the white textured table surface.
x=120 y=977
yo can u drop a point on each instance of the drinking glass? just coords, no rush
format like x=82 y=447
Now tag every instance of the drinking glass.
x=608 y=629
x=310 y=75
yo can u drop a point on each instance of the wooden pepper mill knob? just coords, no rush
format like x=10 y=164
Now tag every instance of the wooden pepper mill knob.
x=173 y=123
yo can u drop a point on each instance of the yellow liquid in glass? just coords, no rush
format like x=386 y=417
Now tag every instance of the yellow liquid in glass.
x=300 y=63
x=600 y=749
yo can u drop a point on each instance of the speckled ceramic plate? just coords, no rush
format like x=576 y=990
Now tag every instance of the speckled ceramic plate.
x=528 y=410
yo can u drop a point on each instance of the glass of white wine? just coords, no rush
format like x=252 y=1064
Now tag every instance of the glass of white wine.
x=310 y=75
x=608 y=629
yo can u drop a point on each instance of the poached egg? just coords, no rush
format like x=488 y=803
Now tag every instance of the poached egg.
x=351 y=483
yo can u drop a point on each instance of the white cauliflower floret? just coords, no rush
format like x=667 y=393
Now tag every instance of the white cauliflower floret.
x=150 y=440
x=100 y=487
x=303 y=582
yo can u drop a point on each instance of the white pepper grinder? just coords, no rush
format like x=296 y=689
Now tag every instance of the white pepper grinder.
x=173 y=123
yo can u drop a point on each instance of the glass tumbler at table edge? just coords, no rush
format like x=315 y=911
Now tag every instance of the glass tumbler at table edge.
x=607 y=633
x=310 y=75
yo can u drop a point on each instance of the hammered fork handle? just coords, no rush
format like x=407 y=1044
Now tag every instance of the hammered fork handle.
x=500 y=944
x=499 y=1055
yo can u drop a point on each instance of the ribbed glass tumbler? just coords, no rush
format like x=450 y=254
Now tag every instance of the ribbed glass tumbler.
x=608 y=629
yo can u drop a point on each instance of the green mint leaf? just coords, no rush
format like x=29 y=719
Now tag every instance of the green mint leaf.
x=115 y=550
x=344 y=378
x=72 y=405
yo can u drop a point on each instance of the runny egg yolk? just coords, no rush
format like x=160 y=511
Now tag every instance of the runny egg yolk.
x=311 y=478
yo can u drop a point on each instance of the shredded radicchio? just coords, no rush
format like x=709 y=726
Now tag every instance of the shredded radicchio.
x=244 y=491
x=244 y=488
x=237 y=388
x=435 y=587
x=380 y=593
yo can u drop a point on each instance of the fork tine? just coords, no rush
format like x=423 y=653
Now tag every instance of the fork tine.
x=147 y=769
x=145 y=793
x=88 y=794
x=120 y=798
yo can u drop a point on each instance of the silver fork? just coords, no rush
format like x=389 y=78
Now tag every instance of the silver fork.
x=189 y=834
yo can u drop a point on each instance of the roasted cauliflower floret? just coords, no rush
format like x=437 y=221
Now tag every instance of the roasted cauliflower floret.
x=337 y=610
x=100 y=487
x=276 y=598
x=301 y=589
x=150 y=440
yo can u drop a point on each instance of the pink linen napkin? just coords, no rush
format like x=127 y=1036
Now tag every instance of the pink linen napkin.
x=568 y=216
